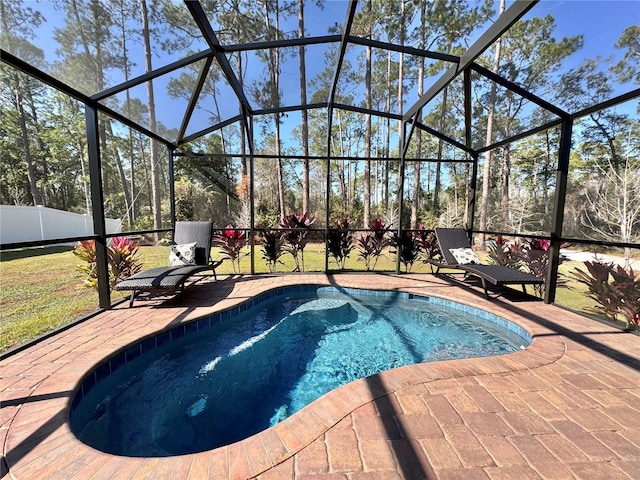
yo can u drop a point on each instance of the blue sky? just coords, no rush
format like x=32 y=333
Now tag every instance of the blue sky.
x=600 y=21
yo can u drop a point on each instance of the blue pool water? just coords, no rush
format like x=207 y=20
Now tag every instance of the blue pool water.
x=249 y=371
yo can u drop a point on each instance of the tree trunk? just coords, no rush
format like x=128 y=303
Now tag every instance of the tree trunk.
x=44 y=191
x=306 y=202
x=85 y=185
x=443 y=114
x=274 y=73
x=438 y=181
x=155 y=177
x=467 y=194
x=415 y=201
x=98 y=71
x=455 y=190
x=400 y=92
x=36 y=198
x=99 y=79
x=123 y=179
x=367 y=141
x=385 y=164
x=506 y=173
x=545 y=184
x=129 y=191
x=610 y=142
x=132 y=186
x=486 y=170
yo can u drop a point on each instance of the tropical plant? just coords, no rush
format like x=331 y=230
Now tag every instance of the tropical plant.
x=371 y=244
x=122 y=258
x=621 y=297
x=531 y=255
x=297 y=238
x=428 y=244
x=626 y=284
x=407 y=247
x=501 y=252
x=534 y=255
x=272 y=249
x=340 y=242
x=231 y=241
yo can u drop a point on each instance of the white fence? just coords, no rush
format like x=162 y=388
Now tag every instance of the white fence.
x=28 y=224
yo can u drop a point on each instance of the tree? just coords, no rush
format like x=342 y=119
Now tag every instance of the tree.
x=528 y=55
x=533 y=169
x=267 y=92
x=306 y=206
x=628 y=69
x=368 y=129
x=122 y=12
x=486 y=168
x=151 y=104
x=415 y=201
x=18 y=26
x=609 y=159
x=613 y=197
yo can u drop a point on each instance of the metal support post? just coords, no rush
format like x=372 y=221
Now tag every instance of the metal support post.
x=97 y=205
x=562 y=175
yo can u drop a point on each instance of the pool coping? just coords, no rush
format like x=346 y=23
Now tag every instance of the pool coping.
x=39 y=442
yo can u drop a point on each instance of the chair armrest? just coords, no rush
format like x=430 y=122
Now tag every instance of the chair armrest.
x=215 y=263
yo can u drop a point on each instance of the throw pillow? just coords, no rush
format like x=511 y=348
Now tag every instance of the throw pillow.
x=184 y=254
x=464 y=256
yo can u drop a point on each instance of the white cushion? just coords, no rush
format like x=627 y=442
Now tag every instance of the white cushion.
x=464 y=256
x=184 y=254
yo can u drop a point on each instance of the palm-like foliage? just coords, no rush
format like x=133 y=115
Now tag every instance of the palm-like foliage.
x=531 y=255
x=272 y=249
x=122 y=258
x=340 y=242
x=503 y=252
x=296 y=239
x=427 y=243
x=231 y=242
x=407 y=247
x=371 y=244
x=620 y=297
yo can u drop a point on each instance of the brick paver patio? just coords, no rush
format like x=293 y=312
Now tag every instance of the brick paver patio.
x=566 y=407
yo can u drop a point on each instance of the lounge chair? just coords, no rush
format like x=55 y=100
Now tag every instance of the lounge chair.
x=190 y=254
x=454 y=242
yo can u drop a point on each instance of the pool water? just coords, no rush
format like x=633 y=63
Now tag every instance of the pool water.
x=250 y=372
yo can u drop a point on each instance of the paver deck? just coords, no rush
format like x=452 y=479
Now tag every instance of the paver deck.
x=568 y=406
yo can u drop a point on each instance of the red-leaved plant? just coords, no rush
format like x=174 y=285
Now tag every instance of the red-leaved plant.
x=531 y=255
x=428 y=244
x=615 y=290
x=503 y=252
x=371 y=244
x=231 y=242
x=296 y=239
x=122 y=258
x=272 y=249
x=407 y=247
x=340 y=242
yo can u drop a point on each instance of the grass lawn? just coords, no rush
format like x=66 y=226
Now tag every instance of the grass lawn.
x=41 y=289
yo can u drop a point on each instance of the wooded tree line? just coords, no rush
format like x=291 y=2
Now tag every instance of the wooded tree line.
x=43 y=145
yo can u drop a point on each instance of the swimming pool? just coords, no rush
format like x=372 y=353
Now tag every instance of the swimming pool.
x=225 y=377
